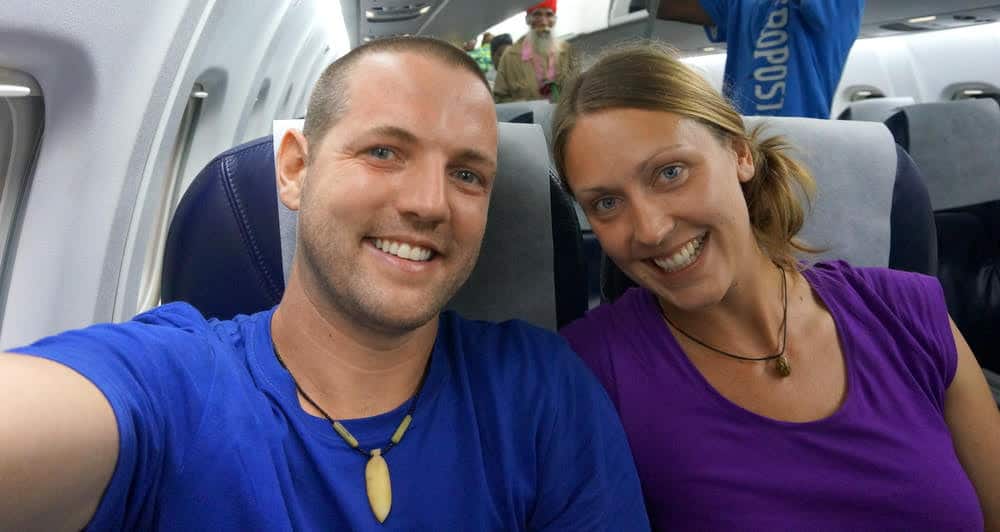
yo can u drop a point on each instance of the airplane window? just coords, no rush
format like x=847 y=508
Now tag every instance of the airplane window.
x=976 y=92
x=149 y=291
x=865 y=93
x=21 y=123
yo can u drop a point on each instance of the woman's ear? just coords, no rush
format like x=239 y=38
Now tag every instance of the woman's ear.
x=745 y=169
x=291 y=166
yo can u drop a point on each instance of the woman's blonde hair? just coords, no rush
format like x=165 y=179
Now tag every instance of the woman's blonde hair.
x=649 y=76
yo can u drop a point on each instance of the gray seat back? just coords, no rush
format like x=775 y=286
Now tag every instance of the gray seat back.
x=875 y=109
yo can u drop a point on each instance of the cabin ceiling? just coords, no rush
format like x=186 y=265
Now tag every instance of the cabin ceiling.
x=458 y=20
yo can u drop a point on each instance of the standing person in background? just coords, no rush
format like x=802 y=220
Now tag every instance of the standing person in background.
x=498 y=46
x=784 y=57
x=536 y=67
x=481 y=54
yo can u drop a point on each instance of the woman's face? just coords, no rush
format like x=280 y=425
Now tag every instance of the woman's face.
x=663 y=196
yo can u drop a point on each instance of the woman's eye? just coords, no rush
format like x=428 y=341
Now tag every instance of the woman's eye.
x=670 y=173
x=381 y=153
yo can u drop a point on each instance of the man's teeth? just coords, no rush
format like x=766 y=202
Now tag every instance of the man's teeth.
x=683 y=258
x=404 y=251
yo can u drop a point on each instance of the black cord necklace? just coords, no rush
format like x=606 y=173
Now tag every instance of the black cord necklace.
x=781 y=364
x=377 y=482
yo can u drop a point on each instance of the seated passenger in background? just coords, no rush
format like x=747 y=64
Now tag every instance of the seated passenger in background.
x=537 y=65
x=758 y=392
x=783 y=57
x=354 y=404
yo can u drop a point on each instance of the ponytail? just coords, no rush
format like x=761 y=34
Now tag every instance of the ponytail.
x=776 y=210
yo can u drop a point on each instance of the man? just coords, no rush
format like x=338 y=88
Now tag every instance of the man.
x=784 y=57
x=353 y=405
x=538 y=64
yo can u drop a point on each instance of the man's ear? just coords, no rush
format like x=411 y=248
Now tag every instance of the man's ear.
x=292 y=163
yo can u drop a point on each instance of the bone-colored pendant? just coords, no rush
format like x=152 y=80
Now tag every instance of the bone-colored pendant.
x=784 y=369
x=378 y=486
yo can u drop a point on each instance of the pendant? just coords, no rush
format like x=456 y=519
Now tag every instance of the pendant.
x=378 y=486
x=781 y=364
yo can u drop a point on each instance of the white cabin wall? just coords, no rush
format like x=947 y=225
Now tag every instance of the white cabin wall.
x=98 y=80
x=116 y=78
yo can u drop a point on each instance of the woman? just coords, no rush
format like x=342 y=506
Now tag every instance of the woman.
x=758 y=392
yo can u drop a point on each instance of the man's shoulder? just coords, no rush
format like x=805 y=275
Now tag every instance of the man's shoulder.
x=512 y=348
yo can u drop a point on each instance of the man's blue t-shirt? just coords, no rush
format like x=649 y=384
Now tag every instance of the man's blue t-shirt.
x=784 y=57
x=511 y=432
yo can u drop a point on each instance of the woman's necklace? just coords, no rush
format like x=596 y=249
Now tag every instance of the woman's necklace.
x=781 y=361
x=377 y=483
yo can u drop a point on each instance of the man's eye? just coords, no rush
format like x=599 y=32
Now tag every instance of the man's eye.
x=468 y=177
x=604 y=205
x=382 y=153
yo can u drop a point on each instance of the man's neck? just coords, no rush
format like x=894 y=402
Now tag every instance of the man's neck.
x=349 y=370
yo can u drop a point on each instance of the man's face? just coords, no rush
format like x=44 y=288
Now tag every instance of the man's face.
x=542 y=21
x=394 y=201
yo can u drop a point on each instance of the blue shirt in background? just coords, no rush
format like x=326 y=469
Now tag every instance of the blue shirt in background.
x=784 y=57
x=511 y=432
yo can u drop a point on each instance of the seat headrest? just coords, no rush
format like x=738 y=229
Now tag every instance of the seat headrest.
x=537 y=112
x=854 y=164
x=514 y=275
x=876 y=109
x=957 y=147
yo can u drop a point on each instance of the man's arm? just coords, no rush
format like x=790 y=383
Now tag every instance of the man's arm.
x=689 y=11
x=974 y=421
x=58 y=445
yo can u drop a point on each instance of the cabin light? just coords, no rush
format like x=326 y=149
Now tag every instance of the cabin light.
x=201 y=95
x=921 y=20
x=973 y=92
x=14 y=91
x=369 y=14
x=708 y=49
x=863 y=94
x=424 y=10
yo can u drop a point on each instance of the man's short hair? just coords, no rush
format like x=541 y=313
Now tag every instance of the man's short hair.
x=329 y=99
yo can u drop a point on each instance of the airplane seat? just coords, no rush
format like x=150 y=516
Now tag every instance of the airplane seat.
x=531 y=112
x=875 y=109
x=871 y=207
x=230 y=242
x=957 y=146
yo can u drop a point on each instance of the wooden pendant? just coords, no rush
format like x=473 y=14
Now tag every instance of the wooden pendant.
x=378 y=485
x=784 y=369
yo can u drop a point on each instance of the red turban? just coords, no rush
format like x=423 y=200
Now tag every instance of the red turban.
x=547 y=4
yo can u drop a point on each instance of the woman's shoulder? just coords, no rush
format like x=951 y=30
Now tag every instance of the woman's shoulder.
x=899 y=289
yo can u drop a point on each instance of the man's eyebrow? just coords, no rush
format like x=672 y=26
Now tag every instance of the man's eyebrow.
x=472 y=156
x=393 y=131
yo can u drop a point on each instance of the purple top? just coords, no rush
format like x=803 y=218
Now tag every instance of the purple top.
x=883 y=461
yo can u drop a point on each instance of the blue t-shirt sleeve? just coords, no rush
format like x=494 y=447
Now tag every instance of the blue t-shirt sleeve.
x=822 y=14
x=148 y=371
x=588 y=474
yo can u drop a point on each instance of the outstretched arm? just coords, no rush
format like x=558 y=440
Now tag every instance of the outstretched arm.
x=58 y=445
